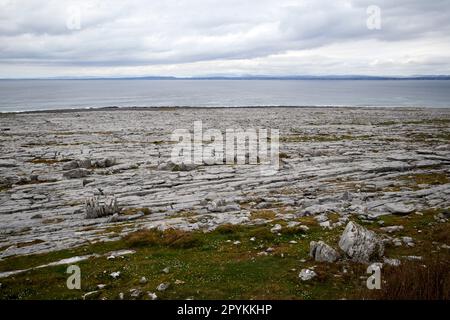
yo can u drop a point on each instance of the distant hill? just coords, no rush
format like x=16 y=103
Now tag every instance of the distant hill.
x=253 y=77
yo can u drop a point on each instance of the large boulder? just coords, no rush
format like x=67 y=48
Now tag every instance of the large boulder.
x=322 y=252
x=360 y=244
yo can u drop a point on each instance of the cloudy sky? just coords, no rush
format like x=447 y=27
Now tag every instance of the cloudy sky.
x=223 y=37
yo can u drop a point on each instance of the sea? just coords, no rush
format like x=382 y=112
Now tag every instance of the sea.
x=31 y=95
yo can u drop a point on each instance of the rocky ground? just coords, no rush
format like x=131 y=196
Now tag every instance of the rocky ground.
x=368 y=165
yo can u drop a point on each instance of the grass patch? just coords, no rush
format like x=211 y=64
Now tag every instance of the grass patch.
x=434 y=178
x=221 y=264
x=170 y=237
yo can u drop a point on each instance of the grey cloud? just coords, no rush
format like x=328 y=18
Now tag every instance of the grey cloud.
x=140 y=33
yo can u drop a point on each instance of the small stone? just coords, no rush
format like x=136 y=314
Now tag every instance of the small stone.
x=236 y=242
x=307 y=274
x=91 y=295
x=407 y=240
x=179 y=282
x=413 y=258
x=135 y=293
x=304 y=228
x=325 y=225
x=163 y=286
x=321 y=218
x=143 y=280
x=152 y=295
x=391 y=262
x=115 y=275
x=252 y=239
x=101 y=286
x=121 y=296
x=293 y=224
x=166 y=270
x=293 y=242
x=391 y=229
x=276 y=228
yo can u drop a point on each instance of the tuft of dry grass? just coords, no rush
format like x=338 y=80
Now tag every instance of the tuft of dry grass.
x=227 y=229
x=170 y=237
x=414 y=280
x=48 y=161
x=284 y=155
x=131 y=211
x=29 y=243
x=433 y=178
x=263 y=214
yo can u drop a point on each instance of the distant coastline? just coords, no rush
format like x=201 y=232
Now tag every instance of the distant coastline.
x=249 y=77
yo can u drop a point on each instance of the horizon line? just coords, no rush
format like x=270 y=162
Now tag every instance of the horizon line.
x=242 y=77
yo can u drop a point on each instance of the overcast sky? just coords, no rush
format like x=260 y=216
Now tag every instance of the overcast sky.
x=223 y=37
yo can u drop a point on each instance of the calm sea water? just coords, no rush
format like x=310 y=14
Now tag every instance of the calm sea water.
x=22 y=95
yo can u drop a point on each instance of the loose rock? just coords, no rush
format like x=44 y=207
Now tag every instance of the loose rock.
x=322 y=252
x=360 y=244
x=307 y=274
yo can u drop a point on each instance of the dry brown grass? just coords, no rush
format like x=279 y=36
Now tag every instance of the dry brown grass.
x=48 y=161
x=29 y=243
x=414 y=280
x=263 y=214
x=440 y=233
x=170 y=237
x=227 y=229
x=131 y=211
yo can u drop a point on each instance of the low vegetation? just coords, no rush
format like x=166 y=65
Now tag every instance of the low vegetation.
x=240 y=262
